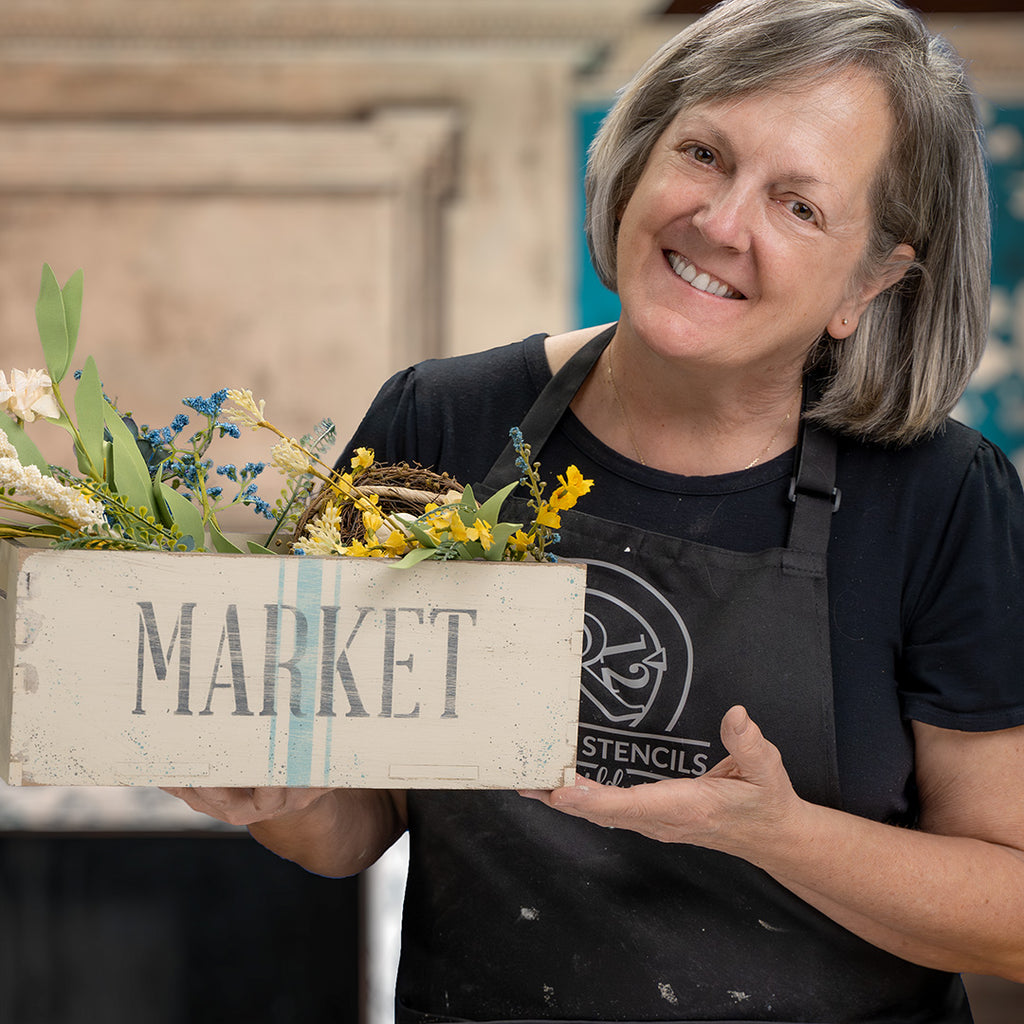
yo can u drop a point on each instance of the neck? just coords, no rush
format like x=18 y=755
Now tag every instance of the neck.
x=693 y=421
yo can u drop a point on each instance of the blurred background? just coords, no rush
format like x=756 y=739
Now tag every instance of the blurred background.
x=300 y=197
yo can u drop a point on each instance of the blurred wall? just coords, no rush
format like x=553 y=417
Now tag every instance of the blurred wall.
x=298 y=198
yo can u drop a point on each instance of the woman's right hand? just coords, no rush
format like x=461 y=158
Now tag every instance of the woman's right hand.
x=239 y=806
x=333 y=832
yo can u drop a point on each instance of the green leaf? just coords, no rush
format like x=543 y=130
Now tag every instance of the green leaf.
x=221 y=543
x=491 y=508
x=258 y=549
x=28 y=453
x=58 y=313
x=72 y=295
x=89 y=412
x=175 y=508
x=412 y=558
x=421 y=535
x=468 y=550
x=501 y=534
x=468 y=507
x=131 y=477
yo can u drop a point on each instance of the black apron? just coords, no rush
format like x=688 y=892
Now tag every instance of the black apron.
x=513 y=909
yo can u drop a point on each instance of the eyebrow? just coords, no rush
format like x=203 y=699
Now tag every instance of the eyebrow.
x=720 y=141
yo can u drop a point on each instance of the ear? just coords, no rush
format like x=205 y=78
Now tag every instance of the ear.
x=845 y=319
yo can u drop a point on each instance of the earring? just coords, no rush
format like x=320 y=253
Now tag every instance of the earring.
x=845 y=321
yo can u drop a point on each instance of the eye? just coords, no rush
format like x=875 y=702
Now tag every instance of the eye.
x=801 y=210
x=700 y=153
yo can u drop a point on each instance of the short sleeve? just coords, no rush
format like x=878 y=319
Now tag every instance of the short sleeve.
x=963 y=657
x=386 y=425
x=453 y=415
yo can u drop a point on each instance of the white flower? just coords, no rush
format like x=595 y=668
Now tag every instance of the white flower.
x=246 y=412
x=322 y=535
x=28 y=396
x=67 y=502
x=7 y=450
x=290 y=458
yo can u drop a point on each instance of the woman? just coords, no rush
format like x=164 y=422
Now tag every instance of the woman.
x=801 y=716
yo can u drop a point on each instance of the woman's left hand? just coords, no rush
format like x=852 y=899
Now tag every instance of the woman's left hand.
x=947 y=895
x=744 y=797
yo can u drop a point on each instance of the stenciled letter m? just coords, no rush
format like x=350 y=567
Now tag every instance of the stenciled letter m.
x=183 y=634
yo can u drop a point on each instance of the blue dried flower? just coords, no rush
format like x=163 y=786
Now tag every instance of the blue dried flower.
x=209 y=407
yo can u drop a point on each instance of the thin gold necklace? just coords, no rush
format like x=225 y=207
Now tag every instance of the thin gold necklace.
x=632 y=435
x=767 y=448
x=622 y=409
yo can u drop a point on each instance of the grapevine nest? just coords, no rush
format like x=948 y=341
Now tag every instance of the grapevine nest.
x=399 y=487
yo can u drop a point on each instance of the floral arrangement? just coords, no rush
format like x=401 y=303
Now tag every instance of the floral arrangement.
x=144 y=488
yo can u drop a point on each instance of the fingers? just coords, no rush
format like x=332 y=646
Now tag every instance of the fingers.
x=664 y=811
x=243 y=806
x=745 y=790
x=755 y=758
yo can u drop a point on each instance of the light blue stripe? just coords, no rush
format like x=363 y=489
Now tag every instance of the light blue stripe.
x=308 y=585
x=271 y=746
x=329 y=723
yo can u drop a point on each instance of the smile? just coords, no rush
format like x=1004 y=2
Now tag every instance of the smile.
x=700 y=279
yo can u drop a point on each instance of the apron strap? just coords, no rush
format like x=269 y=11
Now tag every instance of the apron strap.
x=812 y=488
x=547 y=410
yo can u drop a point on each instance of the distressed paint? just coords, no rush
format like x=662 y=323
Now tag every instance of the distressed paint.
x=157 y=669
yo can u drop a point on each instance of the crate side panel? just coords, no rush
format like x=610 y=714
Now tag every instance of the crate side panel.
x=237 y=670
x=9 y=564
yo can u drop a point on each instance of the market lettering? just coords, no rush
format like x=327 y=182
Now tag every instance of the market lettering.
x=307 y=657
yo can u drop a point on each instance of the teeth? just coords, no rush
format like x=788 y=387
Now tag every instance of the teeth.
x=702 y=281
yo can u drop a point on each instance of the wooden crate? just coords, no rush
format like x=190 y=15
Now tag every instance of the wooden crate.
x=138 y=668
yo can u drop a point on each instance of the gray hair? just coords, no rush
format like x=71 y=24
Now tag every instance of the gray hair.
x=899 y=375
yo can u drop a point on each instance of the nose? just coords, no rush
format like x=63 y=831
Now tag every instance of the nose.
x=726 y=216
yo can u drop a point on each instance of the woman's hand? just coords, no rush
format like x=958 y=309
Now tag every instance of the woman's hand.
x=247 y=806
x=739 y=801
x=333 y=832
x=948 y=895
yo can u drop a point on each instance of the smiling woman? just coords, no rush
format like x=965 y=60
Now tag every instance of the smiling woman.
x=741 y=245
x=801 y=740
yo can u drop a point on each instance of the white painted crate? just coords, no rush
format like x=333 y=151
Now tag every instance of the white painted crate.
x=138 y=668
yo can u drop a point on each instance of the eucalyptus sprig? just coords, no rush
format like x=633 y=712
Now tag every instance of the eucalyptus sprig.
x=135 y=487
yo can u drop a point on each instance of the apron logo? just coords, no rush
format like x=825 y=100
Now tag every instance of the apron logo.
x=636 y=673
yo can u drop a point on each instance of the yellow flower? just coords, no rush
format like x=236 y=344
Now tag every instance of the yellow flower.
x=357 y=549
x=549 y=517
x=396 y=544
x=572 y=488
x=457 y=528
x=246 y=412
x=363 y=459
x=372 y=521
x=482 y=529
x=519 y=542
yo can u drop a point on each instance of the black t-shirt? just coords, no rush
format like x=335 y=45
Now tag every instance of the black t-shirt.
x=925 y=566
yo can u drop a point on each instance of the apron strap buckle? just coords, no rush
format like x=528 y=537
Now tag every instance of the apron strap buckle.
x=835 y=495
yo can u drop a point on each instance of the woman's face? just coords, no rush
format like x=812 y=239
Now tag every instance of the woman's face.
x=741 y=241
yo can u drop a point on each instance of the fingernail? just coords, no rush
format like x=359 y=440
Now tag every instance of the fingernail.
x=742 y=721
